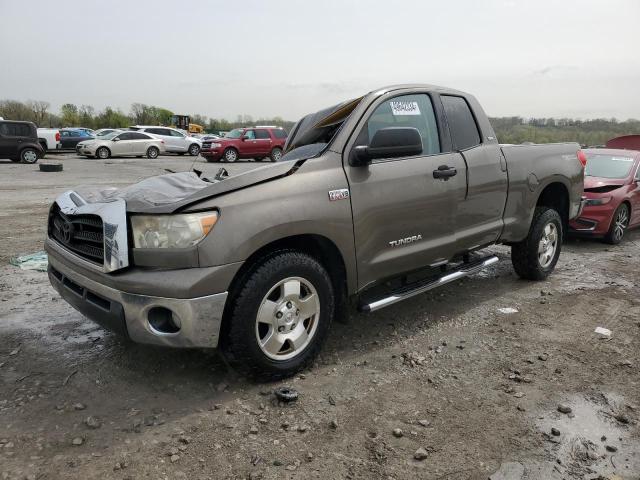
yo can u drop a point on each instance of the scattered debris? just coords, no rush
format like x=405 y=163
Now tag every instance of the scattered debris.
x=286 y=394
x=92 y=422
x=77 y=441
x=622 y=418
x=611 y=448
x=562 y=408
x=397 y=432
x=413 y=358
x=333 y=424
x=35 y=261
x=79 y=406
x=605 y=332
x=420 y=454
x=68 y=377
x=543 y=357
x=555 y=432
x=508 y=310
x=424 y=423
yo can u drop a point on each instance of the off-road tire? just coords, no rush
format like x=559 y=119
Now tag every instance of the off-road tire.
x=153 y=152
x=276 y=154
x=524 y=254
x=29 y=155
x=612 y=237
x=103 y=153
x=239 y=343
x=228 y=155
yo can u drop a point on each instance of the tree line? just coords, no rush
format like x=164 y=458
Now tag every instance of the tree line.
x=508 y=129
x=71 y=115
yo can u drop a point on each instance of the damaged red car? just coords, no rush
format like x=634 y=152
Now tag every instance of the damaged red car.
x=612 y=191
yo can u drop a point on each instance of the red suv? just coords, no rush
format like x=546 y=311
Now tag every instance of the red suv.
x=254 y=142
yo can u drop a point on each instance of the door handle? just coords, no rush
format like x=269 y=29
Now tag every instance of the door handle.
x=444 y=172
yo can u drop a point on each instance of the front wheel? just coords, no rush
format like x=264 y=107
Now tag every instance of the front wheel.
x=536 y=256
x=152 y=152
x=230 y=155
x=194 y=150
x=280 y=317
x=29 y=155
x=103 y=153
x=619 y=225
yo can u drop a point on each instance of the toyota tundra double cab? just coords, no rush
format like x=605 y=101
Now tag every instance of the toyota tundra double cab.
x=375 y=200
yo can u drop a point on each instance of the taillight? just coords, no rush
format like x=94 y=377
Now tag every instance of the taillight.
x=582 y=158
x=57 y=136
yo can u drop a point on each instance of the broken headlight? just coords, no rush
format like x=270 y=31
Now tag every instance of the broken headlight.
x=171 y=231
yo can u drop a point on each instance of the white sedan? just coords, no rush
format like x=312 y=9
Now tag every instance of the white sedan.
x=122 y=144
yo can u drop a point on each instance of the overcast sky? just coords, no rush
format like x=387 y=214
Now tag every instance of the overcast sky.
x=560 y=58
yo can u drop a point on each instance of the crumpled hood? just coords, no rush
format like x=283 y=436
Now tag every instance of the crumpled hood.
x=175 y=191
x=595 y=182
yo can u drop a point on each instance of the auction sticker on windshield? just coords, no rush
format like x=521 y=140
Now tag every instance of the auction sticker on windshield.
x=404 y=108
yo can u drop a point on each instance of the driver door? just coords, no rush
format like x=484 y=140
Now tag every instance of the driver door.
x=404 y=217
x=121 y=146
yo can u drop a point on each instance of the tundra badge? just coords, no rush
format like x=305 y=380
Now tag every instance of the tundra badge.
x=405 y=241
x=341 y=194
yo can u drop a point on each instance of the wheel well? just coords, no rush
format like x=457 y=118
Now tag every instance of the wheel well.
x=317 y=246
x=556 y=196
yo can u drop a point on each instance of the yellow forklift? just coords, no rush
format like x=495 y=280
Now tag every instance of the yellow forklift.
x=182 y=122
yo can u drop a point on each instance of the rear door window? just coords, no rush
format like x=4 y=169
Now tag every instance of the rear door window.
x=462 y=125
x=414 y=111
x=15 y=130
x=262 y=135
x=279 y=133
x=126 y=136
x=139 y=136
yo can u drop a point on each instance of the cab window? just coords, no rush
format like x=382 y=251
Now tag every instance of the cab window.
x=462 y=124
x=414 y=111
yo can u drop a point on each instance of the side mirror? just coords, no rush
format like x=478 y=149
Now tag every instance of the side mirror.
x=115 y=139
x=390 y=142
x=245 y=137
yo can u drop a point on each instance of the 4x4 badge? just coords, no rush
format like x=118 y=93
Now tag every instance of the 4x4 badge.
x=341 y=194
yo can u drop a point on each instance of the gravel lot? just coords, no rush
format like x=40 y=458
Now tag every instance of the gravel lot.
x=443 y=386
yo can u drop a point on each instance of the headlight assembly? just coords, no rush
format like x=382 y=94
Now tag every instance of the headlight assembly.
x=216 y=145
x=171 y=231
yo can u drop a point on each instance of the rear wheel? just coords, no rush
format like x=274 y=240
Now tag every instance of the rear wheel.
x=279 y=319
x=230 y=155
x=29 y=155
x=276 y=154
x=103 y=153
x=536 y=256
x=152 y=152
x=619 y=225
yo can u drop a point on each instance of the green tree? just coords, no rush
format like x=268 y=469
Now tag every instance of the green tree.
x=69 y=115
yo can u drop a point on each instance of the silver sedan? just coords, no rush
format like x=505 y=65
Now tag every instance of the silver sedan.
x=122 y=144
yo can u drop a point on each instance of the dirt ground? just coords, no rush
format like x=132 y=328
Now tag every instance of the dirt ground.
x=472 y=390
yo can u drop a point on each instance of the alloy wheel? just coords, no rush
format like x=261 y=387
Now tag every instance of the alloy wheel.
x=287 y=318
x=547 y=245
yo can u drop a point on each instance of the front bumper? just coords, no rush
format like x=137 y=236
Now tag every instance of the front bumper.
x=214 y=153
x=135 y=316
x=593 y=220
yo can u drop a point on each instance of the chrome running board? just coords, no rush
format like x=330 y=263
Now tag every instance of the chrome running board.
x=409 y=291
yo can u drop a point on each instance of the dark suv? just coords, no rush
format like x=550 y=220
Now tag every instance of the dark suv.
x=19 y=141
x=254 y=142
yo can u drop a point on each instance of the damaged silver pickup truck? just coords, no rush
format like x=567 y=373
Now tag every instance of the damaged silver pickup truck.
x=376 y=200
